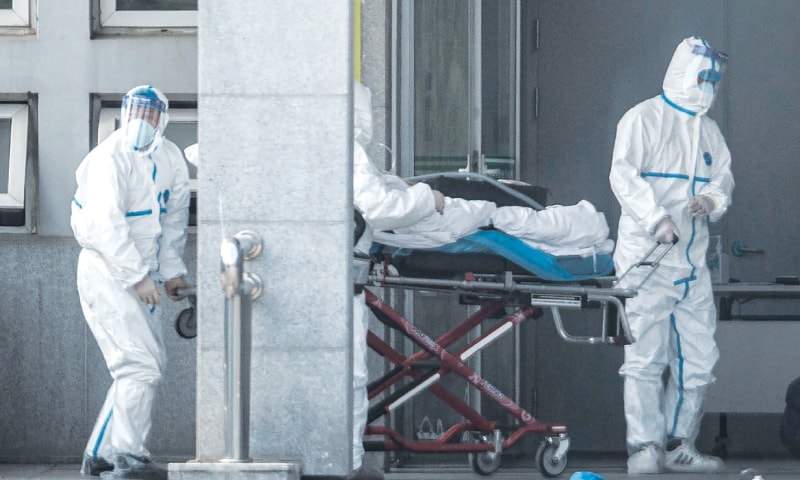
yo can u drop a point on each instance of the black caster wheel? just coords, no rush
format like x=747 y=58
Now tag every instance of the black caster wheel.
x=186 y=323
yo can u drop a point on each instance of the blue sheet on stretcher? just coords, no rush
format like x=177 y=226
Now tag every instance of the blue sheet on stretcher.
x=496 y=243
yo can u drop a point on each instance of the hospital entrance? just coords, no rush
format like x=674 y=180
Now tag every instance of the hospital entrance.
x=532 y=91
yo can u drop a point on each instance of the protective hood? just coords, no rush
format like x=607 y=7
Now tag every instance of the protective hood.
x=362 y=114
x=693 y=59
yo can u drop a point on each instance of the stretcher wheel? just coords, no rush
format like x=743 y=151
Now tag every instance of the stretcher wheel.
x=485 y=463
x=186 y=323
x=547 y=464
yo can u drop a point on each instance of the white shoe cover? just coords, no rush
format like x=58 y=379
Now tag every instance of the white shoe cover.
x=647 y=460
x=686 y=458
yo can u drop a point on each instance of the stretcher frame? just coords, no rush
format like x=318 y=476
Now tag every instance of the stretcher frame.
x=529 y=297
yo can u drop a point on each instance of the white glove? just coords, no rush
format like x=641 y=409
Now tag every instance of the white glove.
x=439 y=201
x=147 y=291
x=667 y=231
x=701 y=206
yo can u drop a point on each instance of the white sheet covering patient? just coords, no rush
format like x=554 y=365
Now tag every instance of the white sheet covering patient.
x=559 y=230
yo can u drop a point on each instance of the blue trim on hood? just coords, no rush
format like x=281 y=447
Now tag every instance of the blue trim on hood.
x=676 y=106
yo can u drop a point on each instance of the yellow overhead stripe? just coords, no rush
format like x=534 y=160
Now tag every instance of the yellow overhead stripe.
x=357 y=40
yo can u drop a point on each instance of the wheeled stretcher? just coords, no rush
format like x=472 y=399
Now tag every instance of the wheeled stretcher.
x=521 y=283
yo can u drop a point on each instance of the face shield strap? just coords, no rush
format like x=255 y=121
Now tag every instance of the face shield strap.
x=709 y=52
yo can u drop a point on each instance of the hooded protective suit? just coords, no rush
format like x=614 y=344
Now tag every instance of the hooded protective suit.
x=386 y=202
x=129 y=214
x=667 y=153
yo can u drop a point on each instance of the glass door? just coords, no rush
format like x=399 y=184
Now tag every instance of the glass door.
x=458 y=87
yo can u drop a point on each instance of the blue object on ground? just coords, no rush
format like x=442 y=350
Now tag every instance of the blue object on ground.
x=585 y=476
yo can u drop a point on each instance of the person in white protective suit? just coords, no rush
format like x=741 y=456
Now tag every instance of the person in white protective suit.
x=385 y=202
x=129 y=214
x=671 y=175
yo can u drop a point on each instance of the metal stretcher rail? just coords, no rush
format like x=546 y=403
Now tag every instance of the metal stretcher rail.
x=554 y=296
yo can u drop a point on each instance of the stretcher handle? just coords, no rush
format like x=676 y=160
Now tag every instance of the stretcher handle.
x=654 y=264
x=187 y=291
x=657 y=261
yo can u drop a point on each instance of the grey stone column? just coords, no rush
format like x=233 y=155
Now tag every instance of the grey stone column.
x=275 y=78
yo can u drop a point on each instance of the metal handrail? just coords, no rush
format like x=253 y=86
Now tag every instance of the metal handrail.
x=240 y=288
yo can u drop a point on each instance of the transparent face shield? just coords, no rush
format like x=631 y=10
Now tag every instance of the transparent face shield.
x=142 y=121
x=710 y=66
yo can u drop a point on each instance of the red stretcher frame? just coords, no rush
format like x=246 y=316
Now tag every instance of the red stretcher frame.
x=422 y=370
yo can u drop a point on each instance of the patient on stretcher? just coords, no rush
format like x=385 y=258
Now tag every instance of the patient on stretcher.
x=559 y=230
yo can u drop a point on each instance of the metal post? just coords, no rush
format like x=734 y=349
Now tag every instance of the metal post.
x=240 y=290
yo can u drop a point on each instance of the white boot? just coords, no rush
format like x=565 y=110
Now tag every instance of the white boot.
x=647 y=460
x=686 y=458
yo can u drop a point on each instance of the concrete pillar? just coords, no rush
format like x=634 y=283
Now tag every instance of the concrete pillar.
x=275 y=79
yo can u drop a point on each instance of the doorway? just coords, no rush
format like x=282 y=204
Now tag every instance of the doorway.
x=456 y=88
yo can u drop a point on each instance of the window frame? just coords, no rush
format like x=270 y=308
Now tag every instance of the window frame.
x=17 y=206
x=19 y=19
x=108 y=21
x=17 y=155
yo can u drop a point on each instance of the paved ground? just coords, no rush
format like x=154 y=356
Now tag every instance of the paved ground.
x=770 y=469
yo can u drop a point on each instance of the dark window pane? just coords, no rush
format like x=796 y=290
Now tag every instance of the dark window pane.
x=5 y=151
x=6 y=4
x=139 y=5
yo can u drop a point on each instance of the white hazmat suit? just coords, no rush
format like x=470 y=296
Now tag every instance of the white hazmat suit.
x=129 y=215
x=385 y=202
x=671 y=175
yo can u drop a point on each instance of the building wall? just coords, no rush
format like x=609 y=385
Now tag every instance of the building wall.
x=54 y=378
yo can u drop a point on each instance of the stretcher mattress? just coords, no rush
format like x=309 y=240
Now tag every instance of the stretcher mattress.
x=492 y=252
